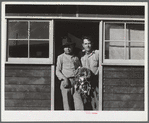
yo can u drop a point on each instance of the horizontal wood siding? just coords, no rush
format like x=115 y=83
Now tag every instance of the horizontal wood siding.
x=28 y=87
x=123 y=88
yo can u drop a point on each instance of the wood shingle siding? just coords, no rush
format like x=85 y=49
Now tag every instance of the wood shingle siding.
x=123 y=88
x=28 y=87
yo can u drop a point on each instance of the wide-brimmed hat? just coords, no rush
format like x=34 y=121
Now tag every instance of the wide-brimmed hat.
x=66 y=41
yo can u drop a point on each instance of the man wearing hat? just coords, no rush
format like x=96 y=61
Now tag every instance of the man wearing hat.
x=67 y=64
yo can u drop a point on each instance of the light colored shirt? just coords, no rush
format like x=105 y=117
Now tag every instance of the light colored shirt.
x=66 y=66
x=91 y=61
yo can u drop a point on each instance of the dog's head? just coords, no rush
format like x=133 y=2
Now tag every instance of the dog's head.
x=83 y=73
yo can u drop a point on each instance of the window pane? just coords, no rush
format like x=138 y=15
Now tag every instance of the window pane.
x=39 y=49
x=39 y=30
x=18 y=48
x=114 y=50
x=135 y=50
x=18 y=30
x=114 y=31
x=135 y=32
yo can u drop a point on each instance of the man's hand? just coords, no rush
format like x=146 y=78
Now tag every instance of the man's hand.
x=65 y=83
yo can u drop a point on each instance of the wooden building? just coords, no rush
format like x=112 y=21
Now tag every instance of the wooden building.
x=32 y=41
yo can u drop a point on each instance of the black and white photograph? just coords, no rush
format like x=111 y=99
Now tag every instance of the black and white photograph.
x=74 y=61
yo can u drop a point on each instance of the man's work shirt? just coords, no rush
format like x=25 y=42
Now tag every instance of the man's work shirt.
x=66 y=65
x=91 y=61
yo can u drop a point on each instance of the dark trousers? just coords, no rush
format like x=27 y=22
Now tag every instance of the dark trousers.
x=92 y=102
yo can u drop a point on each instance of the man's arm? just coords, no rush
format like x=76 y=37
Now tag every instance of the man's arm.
x=97 y=58
x=59 y=73
x=59 y=69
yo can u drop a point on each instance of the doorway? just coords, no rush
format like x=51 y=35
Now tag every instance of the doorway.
x=75 y=30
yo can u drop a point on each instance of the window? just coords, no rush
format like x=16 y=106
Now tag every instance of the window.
x=30 y=41
x=123 y=42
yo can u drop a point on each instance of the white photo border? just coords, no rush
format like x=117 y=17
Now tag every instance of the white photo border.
x=52 y=115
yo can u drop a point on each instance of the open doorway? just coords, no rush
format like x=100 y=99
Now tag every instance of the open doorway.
x=75 y=30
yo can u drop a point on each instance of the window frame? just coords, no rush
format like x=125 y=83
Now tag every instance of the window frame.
x=28 y=60
x=122 y=61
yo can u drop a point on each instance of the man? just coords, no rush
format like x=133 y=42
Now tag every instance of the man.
x=90 y=60
x=67 y=64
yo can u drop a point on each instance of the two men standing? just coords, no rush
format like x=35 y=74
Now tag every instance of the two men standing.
x=68 y=63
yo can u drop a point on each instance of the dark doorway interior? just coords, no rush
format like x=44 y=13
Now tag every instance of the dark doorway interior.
x=75 y=30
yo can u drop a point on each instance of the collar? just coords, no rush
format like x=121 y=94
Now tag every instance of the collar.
x=67 y=55
x=90 y=54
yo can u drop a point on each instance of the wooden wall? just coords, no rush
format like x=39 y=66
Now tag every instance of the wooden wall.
x=27 y=87
x=123 y=88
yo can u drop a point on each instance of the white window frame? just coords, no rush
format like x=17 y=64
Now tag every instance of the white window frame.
x=28 y=60
x=122 y=61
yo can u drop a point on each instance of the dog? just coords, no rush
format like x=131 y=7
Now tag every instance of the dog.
x=83 y=83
